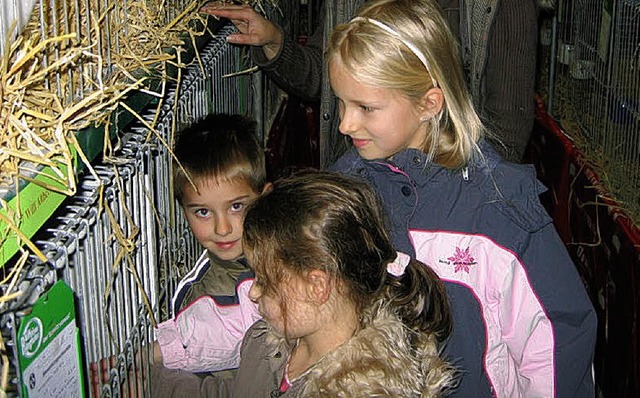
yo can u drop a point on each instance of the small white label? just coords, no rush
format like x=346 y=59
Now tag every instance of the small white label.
x=31 y=338
x=55 y=372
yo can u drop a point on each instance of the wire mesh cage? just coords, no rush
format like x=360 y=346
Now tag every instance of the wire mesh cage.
x=118 y=241
x=64 y=74
x=588 y=151
x=124 y=260
x=595 y=89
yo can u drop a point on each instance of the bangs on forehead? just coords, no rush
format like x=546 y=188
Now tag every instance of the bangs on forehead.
x=377 y=60
x=235 y=173
x=354 y=52
x=358 y=59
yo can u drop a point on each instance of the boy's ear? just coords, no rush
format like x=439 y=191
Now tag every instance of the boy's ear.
x=268 y=187
x=432 y=102
x=320 y=286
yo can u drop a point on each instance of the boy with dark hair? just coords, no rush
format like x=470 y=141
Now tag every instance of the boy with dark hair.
x=220 y=171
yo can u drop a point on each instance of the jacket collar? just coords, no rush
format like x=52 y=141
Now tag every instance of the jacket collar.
x=395 y=369
x=413 y=161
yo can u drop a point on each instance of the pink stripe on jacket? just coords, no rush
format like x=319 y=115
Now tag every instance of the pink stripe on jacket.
x=206 y=336
x=519 y=356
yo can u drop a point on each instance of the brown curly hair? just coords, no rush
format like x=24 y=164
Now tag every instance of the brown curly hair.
x=334 y=223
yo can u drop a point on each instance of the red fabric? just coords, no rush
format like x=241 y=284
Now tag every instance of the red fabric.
x=605 y=247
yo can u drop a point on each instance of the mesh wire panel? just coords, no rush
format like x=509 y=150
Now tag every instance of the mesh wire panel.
x=596 y=89
x=121 y=242
x=590 y=78
x=96 y=23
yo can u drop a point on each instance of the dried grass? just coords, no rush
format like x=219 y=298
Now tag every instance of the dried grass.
x=66 y=72
x=614 y=188
x=69 y=69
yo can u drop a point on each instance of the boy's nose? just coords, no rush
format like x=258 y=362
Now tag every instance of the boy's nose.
x=223 y=226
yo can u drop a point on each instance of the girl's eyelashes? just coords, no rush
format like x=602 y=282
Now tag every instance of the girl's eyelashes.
x=366 y=108
x=342 y=106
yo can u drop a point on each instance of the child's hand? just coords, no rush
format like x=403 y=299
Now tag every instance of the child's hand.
x=254 y=29
x=157 y=353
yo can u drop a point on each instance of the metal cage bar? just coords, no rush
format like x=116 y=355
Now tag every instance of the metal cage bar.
x=133 y=199
x=595 y=89
x=591 y=158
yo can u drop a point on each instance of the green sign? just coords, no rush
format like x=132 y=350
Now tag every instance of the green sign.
x=35 y=204
x=49 y=347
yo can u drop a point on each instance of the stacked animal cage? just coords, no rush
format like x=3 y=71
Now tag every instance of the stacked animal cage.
x=118 y=242
x=587 y=149
x=591 y=84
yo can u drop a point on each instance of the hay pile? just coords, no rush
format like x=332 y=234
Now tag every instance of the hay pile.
x=70 y=67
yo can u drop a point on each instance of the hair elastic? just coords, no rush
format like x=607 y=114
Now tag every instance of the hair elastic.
x=397 y=266
x=404 y=41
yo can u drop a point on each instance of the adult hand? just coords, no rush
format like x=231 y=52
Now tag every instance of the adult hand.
x=254 y=29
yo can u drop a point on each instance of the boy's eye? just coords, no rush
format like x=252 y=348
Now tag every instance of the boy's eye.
x=202 y=212
x=236 y=207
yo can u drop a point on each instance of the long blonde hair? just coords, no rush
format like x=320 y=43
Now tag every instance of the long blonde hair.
x=381 y=59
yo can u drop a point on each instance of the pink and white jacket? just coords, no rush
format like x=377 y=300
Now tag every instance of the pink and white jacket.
x=205 y=336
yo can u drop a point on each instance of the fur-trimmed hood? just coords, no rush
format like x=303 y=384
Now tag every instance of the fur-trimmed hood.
x=377 y=362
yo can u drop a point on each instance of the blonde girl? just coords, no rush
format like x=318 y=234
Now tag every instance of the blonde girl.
x=523 y=324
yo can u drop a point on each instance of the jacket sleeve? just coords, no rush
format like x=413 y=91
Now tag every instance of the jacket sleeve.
x=547 y=319
x=174 y=383
x=572 y=318
x=296 y=69
x=507 y=99
x=206 y=336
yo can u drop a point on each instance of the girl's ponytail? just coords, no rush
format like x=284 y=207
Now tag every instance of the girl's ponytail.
x=418 y=296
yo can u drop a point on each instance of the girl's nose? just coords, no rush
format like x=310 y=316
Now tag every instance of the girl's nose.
x=254 y=293
x=347 y=124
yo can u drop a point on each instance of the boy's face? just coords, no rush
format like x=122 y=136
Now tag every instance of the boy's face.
x=216 y=213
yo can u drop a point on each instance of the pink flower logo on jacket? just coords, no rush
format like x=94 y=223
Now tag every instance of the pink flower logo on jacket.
x=462 y=259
